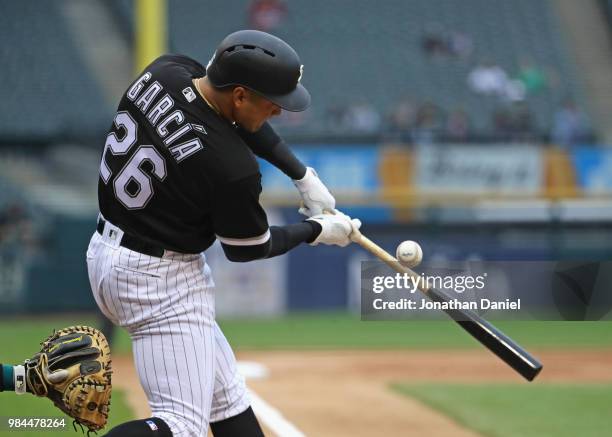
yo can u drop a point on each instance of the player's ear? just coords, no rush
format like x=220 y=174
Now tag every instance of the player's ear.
x=239 y=96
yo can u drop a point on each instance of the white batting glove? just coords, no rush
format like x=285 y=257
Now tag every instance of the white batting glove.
x=336 y=228
x=316 y=198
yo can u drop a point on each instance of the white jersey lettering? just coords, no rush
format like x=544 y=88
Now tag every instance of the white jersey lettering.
x=138 y=86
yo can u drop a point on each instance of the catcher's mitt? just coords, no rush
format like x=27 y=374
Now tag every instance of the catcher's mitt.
x=73 y=369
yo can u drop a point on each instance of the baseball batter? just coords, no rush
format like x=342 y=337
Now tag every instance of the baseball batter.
x=178 y=171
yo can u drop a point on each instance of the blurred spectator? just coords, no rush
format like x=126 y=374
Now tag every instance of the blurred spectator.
x=17 y=229
x=266 y=15
x=523 y=121
x=403 y=116
x=515 y=91
x=429 y=124
x=532 y=77
x=362 y=117
x=501 y=122
x=12 y=220
x=514 y=123
x=457 y=125
x=488 y=78
x=570 y=124
x=460 y=44
x=433 y=40
x=436 y=41
x=335 y=116
x=18 y=244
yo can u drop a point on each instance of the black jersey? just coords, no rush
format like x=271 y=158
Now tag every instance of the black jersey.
x=173 y=171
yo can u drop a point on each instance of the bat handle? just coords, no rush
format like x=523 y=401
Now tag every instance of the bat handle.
x=356 y=236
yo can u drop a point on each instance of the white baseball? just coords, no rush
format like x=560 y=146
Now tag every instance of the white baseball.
x=409 y=253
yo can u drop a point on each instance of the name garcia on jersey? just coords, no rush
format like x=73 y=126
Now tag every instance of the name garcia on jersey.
x=160 y=117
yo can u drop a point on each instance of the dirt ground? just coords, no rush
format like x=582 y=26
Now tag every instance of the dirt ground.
x=346 y=393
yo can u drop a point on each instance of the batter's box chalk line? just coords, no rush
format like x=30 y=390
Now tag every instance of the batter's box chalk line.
x=270 y=416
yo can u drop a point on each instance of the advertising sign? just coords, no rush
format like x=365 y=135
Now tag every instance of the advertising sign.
x=479 y=169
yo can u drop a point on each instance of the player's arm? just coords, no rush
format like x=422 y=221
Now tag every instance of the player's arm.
x=266 y=144
x=281 y=240
x=241 y=225
x=323 y=228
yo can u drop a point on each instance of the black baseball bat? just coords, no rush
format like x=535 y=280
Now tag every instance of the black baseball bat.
x=491 y=337
x=483 y=331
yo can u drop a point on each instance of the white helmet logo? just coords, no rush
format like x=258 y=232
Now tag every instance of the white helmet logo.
x=211 y=60
x=301 y=73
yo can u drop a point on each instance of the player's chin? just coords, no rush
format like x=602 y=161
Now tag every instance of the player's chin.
x=255 y=126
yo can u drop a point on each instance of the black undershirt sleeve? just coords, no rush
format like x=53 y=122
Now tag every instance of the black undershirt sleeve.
x=285 y=238
x=282 y=240
x=266 y=144
x=244 y=254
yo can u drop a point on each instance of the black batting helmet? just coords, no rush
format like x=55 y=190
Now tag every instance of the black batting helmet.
x=262 y=63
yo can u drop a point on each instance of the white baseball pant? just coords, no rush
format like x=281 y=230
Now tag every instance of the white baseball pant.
x=185 y=364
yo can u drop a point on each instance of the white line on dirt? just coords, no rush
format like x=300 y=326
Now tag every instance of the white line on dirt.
x=270 y=416
x=273 y=418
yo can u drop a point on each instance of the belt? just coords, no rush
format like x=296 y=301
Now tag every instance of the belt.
x=133 y=243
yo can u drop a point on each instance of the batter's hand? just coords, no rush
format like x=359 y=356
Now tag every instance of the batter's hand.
x=316 y=198
x=336 y=228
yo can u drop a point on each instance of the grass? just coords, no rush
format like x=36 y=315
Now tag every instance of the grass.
x=19 y=337
x=494 y=410
x=12 y=406
x=537 y=410
x=342 y=330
